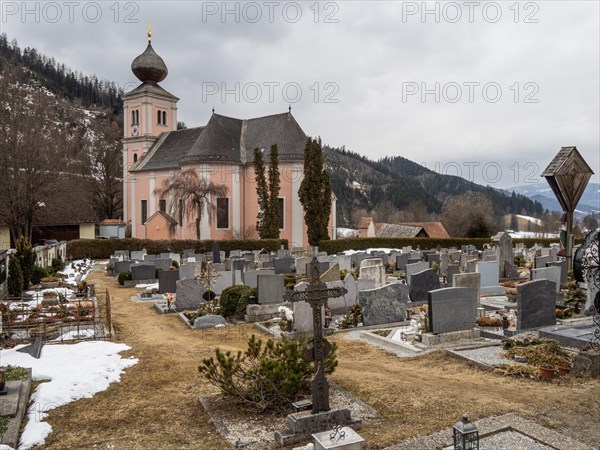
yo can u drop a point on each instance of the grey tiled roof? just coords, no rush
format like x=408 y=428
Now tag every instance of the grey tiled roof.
x=168 y=152
x=229 y=140
x=393 y=230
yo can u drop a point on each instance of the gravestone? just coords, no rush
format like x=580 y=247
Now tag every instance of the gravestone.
x=189 y=294
x=415 y=268
x=504 y=251
x=167 y=281
x=452 y=270
x=301 y=263
x=341 y=305
x=138 y=255
x=488 y=255
x=283 y=265
x=150 y=257
x=187 y=271
x=162 y=263
x=386 y=304
x=270 y=289
x=444 y=262
x=122 y=266
x=489 y=284
x=472 y=265
x=249 y=278
x=345 y=262
x=357 y=258
x=331 y=274
x=548 y=273
x=235 y=254
x=536 y=304
x=421 y=284
x=433 y=258
x=240 y=264
x=227 y=278
x=452 y=309
x=402 y=261
x=563 y=269
x=467 y=280
x=373 y=269
x=540 y=261
x=303 y=313
x=510 y=272
x=216 y=253
x=143 y=271
x=554 y=253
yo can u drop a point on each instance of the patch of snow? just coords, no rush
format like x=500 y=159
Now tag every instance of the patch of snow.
x=77 y=271
x=532 y=234
x=72 y=372
x=530 y=219
x=148 y=287
x=346 y=232
x=369 y=250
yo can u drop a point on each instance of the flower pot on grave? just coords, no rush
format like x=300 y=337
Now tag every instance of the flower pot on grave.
x=563 y=370
x=546 y=373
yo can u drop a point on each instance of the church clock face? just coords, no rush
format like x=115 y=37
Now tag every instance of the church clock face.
x=135 y=130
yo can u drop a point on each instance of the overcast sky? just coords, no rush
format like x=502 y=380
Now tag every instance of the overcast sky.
x=490 y=89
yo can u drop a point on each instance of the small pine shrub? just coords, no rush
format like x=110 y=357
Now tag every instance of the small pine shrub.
x=37 y=274
x=57 y=264
x=240 y=311
x=15 y=277
x=230 y=298
x=124 y=276
x=266 y=376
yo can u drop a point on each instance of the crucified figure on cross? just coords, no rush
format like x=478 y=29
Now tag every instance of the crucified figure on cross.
x=316 y=296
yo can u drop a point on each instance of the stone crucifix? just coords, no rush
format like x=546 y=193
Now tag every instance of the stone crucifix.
x=316 y=296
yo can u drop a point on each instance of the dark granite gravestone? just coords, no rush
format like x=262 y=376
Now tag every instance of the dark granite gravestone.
x=452 y=309
x=167 y=281
x=270 y=289
x=452 y=270
x=433 y=258
x=189 y=295
x=401 y=261
x=386 y=304
x=413 y=268
x=122 y=266
x=413 y=261
x=563 y=269
x=283 y=265
x=239 y=264
x=216 y=252
x=421 y=283
x=510 y=272
x=162 y=263
x=144 y=271
x=536 y=304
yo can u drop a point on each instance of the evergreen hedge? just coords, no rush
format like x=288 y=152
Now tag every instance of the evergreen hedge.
x=340 y=245
x=104 y=248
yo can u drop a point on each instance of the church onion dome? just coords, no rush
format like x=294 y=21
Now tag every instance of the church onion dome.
x=149 y=67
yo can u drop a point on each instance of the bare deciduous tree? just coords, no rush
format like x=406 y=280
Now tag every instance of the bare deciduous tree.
x=194 y=192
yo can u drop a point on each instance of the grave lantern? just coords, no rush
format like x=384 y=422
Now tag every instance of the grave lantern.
x=466 y=435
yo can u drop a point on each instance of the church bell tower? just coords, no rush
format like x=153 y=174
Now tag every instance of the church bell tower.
x=149 y=110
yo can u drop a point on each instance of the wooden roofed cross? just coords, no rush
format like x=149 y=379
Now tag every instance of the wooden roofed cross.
x=316 y=296
x=568 y=175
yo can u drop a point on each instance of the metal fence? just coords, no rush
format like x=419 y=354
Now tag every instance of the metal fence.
x=58 y=315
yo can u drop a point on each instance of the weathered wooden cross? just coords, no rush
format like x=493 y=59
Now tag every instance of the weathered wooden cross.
x=316 y=296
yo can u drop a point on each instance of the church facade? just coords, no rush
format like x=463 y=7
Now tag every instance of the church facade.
x=221 y=152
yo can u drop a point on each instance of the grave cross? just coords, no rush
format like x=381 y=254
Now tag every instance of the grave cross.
x=316 y=296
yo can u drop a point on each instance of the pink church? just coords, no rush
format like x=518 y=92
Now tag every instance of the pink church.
x=154 y=151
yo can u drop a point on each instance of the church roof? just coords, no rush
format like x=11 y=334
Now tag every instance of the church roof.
x=228 y=140
x=150 y=88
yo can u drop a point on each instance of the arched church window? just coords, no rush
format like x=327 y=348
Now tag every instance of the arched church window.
x=135 y=157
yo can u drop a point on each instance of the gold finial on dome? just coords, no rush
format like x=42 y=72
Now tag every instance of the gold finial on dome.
x=149 y=32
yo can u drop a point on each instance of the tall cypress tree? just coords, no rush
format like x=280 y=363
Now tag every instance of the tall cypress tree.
x=26 y=258
x=273 y=206
x=315 y=193
x=267 y=223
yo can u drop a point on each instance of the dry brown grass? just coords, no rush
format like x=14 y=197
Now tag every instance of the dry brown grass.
x=155 y=406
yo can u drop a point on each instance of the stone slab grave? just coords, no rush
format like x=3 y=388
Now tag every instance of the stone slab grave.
x=421 y=284
x=373 y=269
x=208 y=321
x=548 y=273
x=433 y=258
x=167 y=281
x=444 y=262
x=189 y=295
x=467 y=280
x=386 y=304
x=563 y=269
x=270 y=289
x=189 y=270
x=536 y=304
x=13 y=406
x=344 y=438
x=171 y=256
x=575 y=336
x=162 y=263
x=341 y=305
x=138 y=255
x=452 y=309
x=143 y=271
x=490 y=273
x=301 y=263
x=283 y=265
x=419 y=266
